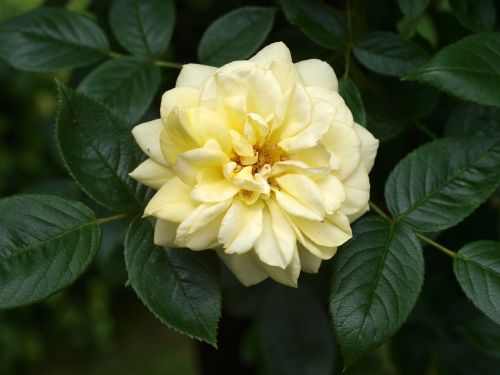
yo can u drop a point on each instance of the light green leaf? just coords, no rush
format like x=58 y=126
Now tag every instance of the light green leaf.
x=413 y=8
x=388 y=53
x=477 y=268
x=179 y=286
x=476 y=15
x=235 y=35
x=127 y=85
x=471 y=119
x=50 y=39
x=99 y=151
x=469 y=69
x=349 y=91
x=318 y=21
x=143 y=27
x=294 y=333
x=46 y=243
x=377 y=278
x=439 y=184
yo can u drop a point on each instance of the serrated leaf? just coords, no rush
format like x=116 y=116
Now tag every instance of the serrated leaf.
x=471 y=119
x=476 y=15
x=127 y=85
x=99 y=151
x=235 y=35
x=377 y=277
x=143 y=27
x=468 y=69
x=50 y=39
x=294 y=333
x=46 y=243
x=349 y=91
x=477 y=268
x=317 y=20
x=388 y=53
x=413 y=8
x=180 y=287
x=439 y=184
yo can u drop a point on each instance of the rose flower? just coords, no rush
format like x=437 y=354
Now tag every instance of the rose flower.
x=259 y=160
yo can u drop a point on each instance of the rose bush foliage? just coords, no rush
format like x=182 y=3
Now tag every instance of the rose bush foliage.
x=265 y=159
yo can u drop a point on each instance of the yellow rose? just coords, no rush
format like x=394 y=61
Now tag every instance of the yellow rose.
x=259 y=160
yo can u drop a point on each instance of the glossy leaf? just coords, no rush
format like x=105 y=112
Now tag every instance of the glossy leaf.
x=235 y=35
x=471 y=119
x=476 y=15
x=294 y=333
x=143 y=27
x=99 y=151
x=50 y=39
x=413 y=8
x=179 y=286
x=468 y=69
x=377 y=277
x=127 y=85
x=439 y=184
x=477 y=268
x=46 y=243
x=317 y=20
x=388 y=53
x=349 y=91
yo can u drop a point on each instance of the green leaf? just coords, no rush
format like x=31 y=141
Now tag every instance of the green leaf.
x=439 y=184
x=294 y=333
x=180 y=287
x=127 y=85
x=477 y=268
x=476 y=15
x=46 y=243
x=388 y=53
x=99 y=151
x=413 y=8
x=143 y=27
x=377 y=278
x=318 y=21
x=469 y=69
x=235 y=35
x=471 y=119
x=50 y=39
x=349 y=91
x=383 y=120
x=483 y=334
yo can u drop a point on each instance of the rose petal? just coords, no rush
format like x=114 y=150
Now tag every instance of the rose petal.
x=316 y=72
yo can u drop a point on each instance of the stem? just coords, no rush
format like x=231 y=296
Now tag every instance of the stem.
x=109 y=219
x=436 y=245
x=164 y=64
x=428 y=132
x=349 y=42
x=379 y=211
x=114 y=55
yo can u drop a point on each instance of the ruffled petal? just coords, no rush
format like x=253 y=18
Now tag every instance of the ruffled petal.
x=304 y=191
x=316 y=72
x=178 y=97
x=147 y=136
x=332 y=191
x=331 y=232
x=272 y=52
x=286 y=73
x=193 y=75
x=152 y=174
x=165 y=233
x=246 y=267
x=342 y=112
x=287 y=276
x=212 y=187
x=357 y=191
x=176 y=138
x=369 y=146
x=308 y=262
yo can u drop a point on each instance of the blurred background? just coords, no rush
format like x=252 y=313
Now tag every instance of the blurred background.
x=99 y=326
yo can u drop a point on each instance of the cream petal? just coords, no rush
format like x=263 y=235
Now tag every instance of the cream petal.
x=178 y=97
x=332 y=191
x=331 y=232
x=264 y=92
x=246 y=267
x=287 y=276
x=241 y=227
x=316 y=72
x=193 y=75
x=344 y=142
x=342 y=112
x=297 y=166
x=272 y=52
x=236 y=66
x=255 y=129
x=172 y=202
x=151 y=174
x=357 y=191
x=212 y=186
x=286 y=73
x=308 y=262
x=277 y=243
x=357 y=215
x=176 y=138
x=241 y=145
x=316 y=157
x=294 y=207
x=369 y=146
x=165 y=233
x=147 y=136
x=304 y=191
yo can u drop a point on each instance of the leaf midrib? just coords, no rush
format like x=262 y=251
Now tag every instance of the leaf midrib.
x=479 y=265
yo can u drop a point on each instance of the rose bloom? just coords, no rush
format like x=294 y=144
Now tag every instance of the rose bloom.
x=259 y=160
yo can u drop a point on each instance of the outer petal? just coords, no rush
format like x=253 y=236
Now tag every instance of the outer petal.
x=286 y=73
x=332 y=232
x=147 y=136
x=178 y=97
x=344 y=142
x=304 y=191
x=165 y=233
x=357 y=191
x=287 y=276
x=357 y=215
x=309 y=263
x=272 y=52
x=369 y=146
x=315 y=72
x=172 y=202
x=151 y=174
x=246 y=267
x=332 y=191
x=176 y=138
x=193 y=75
x=241 y=227
x=342 y=112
